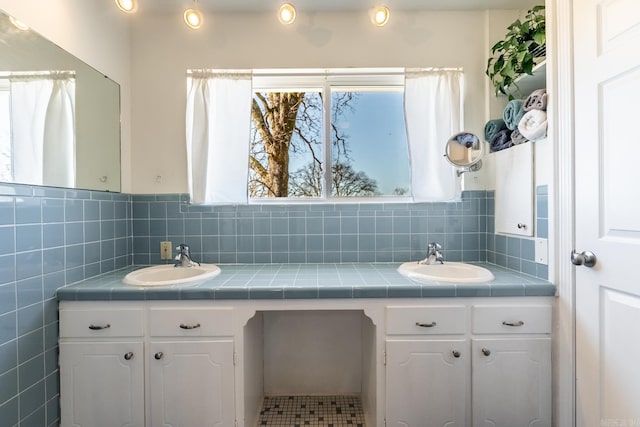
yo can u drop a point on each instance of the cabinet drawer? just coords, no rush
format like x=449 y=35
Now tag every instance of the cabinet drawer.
x=530 y=319
x=176 y=322
x=426 y=320
x=101 y=323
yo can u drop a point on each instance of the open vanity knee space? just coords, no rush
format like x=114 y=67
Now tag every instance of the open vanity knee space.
x=197 y=361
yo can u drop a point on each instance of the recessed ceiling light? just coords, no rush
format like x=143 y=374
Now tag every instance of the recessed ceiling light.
x=287 y=14
x=193 y=18
x=18 y=24
x=380 y=16
x=128 y=6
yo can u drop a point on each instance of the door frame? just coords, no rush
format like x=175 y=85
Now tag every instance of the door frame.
x=560 y=84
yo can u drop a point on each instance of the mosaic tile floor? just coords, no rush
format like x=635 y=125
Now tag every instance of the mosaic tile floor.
x=314 y=411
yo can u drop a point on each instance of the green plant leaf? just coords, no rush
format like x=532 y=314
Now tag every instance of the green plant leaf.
x=512 y=56
x=499 y=64
x=540 y=36
x=527 y=64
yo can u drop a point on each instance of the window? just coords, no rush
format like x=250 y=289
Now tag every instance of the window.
x=321 y=134
x=352 y=121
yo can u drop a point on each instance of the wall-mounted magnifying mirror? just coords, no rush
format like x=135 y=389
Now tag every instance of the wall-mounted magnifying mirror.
x=464 y=150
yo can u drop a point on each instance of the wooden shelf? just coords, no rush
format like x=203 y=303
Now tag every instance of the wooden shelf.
x=526 y=83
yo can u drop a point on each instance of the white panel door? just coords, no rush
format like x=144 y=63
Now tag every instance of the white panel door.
x=511 y=382
x=191 y=384
x=427 y=383
x=102 y=384
x=607 y=90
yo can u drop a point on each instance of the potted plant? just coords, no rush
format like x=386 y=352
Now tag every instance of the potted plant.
x=516 y=53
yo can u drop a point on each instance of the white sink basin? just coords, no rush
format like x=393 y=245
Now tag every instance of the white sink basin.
x=454 y=272
x=167 y=274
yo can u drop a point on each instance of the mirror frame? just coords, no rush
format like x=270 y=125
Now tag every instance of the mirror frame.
x=471 y=166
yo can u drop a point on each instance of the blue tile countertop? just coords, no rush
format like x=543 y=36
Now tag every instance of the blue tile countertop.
x=305 y=281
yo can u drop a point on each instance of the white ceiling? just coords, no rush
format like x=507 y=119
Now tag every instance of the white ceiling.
x=333 y=5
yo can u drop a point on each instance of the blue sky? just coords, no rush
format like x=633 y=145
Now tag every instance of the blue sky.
x=378 y=140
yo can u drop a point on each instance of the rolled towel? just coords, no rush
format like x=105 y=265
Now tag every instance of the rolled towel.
x=533 y=125
x=492 y=128
x=501 y=141
x=512 y=113
x=517 y=138
x=537 y=100
x=466 y=139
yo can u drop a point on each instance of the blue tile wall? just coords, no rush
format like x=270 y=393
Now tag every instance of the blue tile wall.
x=53 y=237
x=301 y=233
x=518 y=253
x=49 y=238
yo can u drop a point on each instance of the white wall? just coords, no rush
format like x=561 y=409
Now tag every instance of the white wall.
x=163 y=49
x=98 y=34
x=312 y=352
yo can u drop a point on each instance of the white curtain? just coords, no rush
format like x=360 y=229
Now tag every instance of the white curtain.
x=43 y=132
x=29 y=100
x=59 y=167
x=218 y=133
x=433 y=113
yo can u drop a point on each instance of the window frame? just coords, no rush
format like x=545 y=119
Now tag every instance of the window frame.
x=357 y=79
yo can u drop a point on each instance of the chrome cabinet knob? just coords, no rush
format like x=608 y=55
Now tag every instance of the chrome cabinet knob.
x=128 y=356
x=522 y=226
x=586 y=258
x=158 y=355
x=486 y=351
x=456 y=354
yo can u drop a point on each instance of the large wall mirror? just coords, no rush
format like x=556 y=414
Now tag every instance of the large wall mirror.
x=59 y=118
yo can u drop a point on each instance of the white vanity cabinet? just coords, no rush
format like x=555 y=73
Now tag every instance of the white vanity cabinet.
x=191 y=381
x=511 y=365
x=454 y=362
x=115 y=357
x=479 y=365
x=101 y=368
x=427 y=366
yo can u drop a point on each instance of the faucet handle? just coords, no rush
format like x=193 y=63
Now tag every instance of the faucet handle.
x=182 y=247
x=434 y=246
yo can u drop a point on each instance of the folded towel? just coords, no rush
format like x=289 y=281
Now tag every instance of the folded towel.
x=517 y=138
x=501 y=141
x=512 y=113
x=466 y=139
x=492 y=128
x=537 y=100
x=533 y=125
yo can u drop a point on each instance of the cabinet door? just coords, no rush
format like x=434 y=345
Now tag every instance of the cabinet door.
x=514 y=190
x=427 y=383
x=511 y=382
x=191 y=384
x=102 y=384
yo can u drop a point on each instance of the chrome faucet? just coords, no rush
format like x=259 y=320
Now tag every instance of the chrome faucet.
x=433 y=254
x=183 y=259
